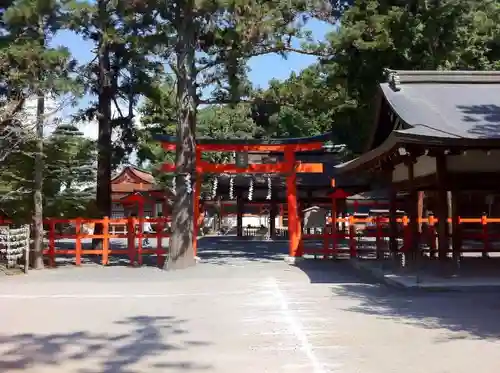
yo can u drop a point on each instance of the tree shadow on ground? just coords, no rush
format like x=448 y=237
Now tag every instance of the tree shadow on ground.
x=461 y=315
x=465 y=315
x=143 y=338
x=224 y=249
x=321 y=271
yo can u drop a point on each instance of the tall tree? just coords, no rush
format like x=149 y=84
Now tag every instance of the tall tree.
x=31 y=24
x=207 y=43
x=120 y=72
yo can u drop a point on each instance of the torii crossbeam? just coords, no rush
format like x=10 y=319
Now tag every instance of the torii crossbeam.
x=289 y=168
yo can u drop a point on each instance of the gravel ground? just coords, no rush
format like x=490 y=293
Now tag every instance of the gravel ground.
x=241 y=310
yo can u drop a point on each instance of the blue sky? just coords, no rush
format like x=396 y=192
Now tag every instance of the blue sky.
x=263 y=68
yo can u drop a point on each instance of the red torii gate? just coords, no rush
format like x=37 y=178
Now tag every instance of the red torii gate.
x=289 y=167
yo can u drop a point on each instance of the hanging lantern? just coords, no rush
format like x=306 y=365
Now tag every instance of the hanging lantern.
x=269 y=188
x=231 y=188
x=187 y=181
x=214 y=187
x=250 y=190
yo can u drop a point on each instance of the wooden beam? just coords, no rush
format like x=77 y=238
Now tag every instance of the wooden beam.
x=206 y=167
x=312 y=168
x=264 y=168
x=251 y=148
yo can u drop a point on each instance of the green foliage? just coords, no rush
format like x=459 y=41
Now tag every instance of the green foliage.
x=158 y=116
x=372 y=35
x=306 y=105
x=69 y=172
x=418 y=35
x=122 y=69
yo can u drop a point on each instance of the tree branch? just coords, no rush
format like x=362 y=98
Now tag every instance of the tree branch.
x=282 y=49
x=246 y=102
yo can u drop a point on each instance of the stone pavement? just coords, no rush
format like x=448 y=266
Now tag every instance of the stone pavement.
x=241 y=310
x=477 y=274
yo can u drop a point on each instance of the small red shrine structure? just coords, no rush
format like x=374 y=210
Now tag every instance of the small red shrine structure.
x=288 y=167
x=135 y=192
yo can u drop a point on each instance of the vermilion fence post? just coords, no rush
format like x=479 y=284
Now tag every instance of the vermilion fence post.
x=52 y=243
x=105 y=240
x=159 y=244
x=486 y=243
x=378 y=235
x=78 y=244
x=140 y=238
x=406 y=234
x=131 y=240
x=432 y=236
x=326 y=241
x=352 y=238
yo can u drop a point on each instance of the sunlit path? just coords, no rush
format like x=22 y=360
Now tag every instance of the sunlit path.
x=243 y=308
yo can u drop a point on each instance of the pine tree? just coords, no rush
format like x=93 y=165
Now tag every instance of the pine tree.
x=69 y=172
x=207 y=43
x=120 y=72
x=40 y=70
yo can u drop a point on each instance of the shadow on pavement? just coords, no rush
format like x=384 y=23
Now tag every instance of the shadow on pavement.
x=107 y=353
x=464 y=315
x=224 y=249
x=322 y=271
x=461 y=315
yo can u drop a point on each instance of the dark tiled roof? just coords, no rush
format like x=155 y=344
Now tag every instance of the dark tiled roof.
x=438 y=108
x=452 y=104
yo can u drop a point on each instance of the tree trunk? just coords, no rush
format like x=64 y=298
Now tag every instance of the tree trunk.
x=103 y=190
x=181 y=253
x=38 y=186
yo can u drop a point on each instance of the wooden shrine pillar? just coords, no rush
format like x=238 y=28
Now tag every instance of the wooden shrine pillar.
x=196 y=201
x=239 y=214
x=414 y=243
x=393 y=223
x=294 y=227
x=334 y=214
x=456 y=236
x=272 y=218
x=196 y=207
x=334 y=231
x=420 y=206
x=442 y=207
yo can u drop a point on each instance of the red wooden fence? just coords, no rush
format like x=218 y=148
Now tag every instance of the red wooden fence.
x=133 y=232
x=332 y=239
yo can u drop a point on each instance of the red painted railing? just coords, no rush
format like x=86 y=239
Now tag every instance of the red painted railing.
x=340 y=241
x=355 y=230
x=134 y=231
